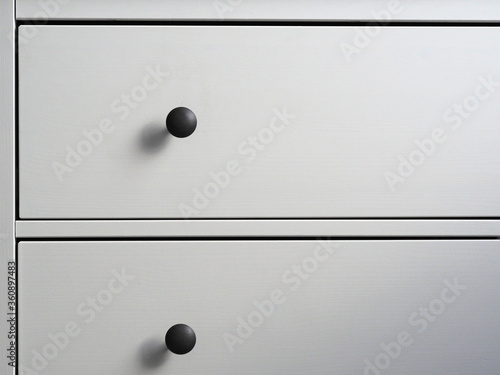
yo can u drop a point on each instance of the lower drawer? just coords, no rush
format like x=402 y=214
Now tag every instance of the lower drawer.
x=260 y=307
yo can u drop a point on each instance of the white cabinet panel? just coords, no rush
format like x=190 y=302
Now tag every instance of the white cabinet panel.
x=104 y=307
x=287 y=126
x=379 y=10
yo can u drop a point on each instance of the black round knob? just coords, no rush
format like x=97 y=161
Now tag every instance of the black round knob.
x=181 y=122
x=180 y=339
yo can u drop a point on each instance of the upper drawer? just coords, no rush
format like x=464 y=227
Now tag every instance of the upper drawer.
x=309 y=122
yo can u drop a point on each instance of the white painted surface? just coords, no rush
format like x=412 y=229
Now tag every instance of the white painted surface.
x=365 y=294
x=7 y=218
x=255 y=228
x=352 y=121
x=257 y=10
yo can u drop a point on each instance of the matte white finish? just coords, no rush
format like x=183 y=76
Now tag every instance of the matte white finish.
x=7 y=240
x=257 y=10
x=352 y=122
x=255 y=228
x=362 y=296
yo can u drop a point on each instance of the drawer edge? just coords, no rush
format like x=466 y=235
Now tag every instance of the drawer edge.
x=255 y=228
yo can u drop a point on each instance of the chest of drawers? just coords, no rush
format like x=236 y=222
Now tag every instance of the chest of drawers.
x=246 y=187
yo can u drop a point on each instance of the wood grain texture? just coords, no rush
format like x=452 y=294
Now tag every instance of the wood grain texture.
x=352 y=122
x=364 y=295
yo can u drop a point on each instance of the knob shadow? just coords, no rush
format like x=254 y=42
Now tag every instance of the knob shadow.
x=153 y=138
x=153 y=353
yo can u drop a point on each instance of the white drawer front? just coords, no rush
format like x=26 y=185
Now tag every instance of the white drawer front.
x=287 y=126
x=350 y=307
